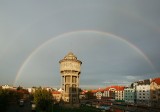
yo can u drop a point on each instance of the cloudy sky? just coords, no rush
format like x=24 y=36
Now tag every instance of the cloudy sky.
x=118 y=41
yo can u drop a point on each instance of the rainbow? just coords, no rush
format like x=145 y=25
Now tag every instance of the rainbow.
x=74 y=32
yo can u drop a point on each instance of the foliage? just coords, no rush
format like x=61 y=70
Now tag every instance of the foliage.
x=42 y=99
x=3 y=99
x=7 y=96
x=19 y=88
x=90 y=95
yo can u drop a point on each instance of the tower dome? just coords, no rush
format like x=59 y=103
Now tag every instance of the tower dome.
x=70 y=56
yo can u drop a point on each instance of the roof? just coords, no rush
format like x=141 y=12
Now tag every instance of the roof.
x=156 y=80
x=94 y=91
x=117 y=88
x=83 y=92
x=23 y=91
x=56 y=92
x=70 y=55
x=144 y=82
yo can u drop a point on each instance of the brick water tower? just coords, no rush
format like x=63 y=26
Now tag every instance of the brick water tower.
x=70 y=73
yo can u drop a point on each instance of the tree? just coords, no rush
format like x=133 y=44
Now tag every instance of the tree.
x=7 y=96
x=20 y=88
x=3 y=99
x=42 y=99
x=90 y=95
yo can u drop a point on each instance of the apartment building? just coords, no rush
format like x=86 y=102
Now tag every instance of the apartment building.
x=143 y=92
x=155 y=92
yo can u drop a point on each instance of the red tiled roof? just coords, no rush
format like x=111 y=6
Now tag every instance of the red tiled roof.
x=94 y=91
x=56 y=92
x=117 y=88
x=156 y=80
x=100 y=90
x=23 y=91
x=84 y=91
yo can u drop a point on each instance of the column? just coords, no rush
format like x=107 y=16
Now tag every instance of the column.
x=64 y=84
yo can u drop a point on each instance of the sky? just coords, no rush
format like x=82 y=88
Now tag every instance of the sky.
x=116 y=40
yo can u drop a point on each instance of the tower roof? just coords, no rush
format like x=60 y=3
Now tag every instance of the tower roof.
x=70 y=57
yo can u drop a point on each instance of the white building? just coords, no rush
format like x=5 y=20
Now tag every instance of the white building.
x=99 y=94
x=114 y=92
x=143 y=92
x=8 y=87
x=31 y=90
x=119 y=93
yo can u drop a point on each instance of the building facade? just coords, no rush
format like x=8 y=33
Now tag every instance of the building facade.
x=56 y=96
x=155 y=92
x=70 y=73
x=113 y=92
x=143 y=92
x=129 y=95
x=119 y=93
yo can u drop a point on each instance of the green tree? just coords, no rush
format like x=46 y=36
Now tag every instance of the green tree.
x=20 y=88
x=90 y=95
x=42 y=99
x=3 y=99
x=6 y=96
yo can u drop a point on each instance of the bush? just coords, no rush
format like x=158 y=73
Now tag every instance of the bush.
x=43 y=99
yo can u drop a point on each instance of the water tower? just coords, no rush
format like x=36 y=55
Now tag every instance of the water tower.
x=70 y=73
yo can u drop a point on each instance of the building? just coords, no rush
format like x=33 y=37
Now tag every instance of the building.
x=48 y=88
x=32 y=89
x=129 y=95
x=56 y=96
x=143 y=92
x=70 y=73
x=82 y=95
x=99 y=94
x=155 y=92
x=119 y=93
x=114 y=92
x=8 y=87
